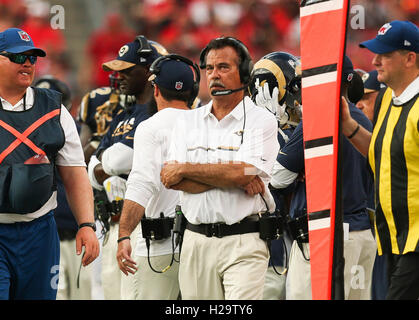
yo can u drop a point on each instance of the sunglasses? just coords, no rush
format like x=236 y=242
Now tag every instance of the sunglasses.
x=19 y=58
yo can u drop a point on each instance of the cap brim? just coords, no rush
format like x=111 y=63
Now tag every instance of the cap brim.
x=377 y=46
x=117 y=65
x=38 y=52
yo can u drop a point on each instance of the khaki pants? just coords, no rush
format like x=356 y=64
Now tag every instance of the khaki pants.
x=231 y=268
x=129 y=286
x=150 y=285
x=274 y=284
x=111 y=275
x=359 y=254
x=69 y=271
x=116 y=285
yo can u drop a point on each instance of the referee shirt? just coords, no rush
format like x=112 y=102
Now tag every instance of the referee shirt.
x=199 y=137
x=394 y=158
x=71 y=154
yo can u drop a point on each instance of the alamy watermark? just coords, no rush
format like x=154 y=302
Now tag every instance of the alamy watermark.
x=55 y=278
x=358 y=277
x=357 y=18
x=57 y=20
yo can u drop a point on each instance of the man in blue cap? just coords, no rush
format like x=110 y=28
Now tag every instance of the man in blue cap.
x=17 y=47
x=393 y=153
x=110 y=165
x=175 y=89
x=37 y=136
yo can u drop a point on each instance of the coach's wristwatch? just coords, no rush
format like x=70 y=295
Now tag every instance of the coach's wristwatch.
x=88 y=224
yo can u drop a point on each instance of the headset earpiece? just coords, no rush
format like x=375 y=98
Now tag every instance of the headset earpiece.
x=145 y=48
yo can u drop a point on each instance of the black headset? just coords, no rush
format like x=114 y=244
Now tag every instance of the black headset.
x=246 y=65
x=155 y=69
x=145 y=47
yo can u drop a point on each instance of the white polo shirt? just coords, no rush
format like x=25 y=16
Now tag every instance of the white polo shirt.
x=198 y=137
x=151 y=143
x=411 y=90
x=71 y=154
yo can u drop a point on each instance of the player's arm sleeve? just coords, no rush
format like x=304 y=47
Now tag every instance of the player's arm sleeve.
x=91 y=173
x=289 y=161
x=117 y=159
x=282 y=177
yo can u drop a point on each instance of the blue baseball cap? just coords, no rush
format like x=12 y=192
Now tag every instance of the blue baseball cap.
x=396 y=35
x=128 y=56
x=174 y=75
x=347 y=69
x=15 y=40
x=371 y=82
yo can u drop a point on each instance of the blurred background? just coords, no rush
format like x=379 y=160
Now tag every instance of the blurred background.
x=93 y=31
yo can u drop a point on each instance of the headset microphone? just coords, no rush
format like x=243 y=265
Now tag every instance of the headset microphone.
x=226 y=91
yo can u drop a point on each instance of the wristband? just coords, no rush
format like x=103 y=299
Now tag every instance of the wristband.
x=123 y=238
x=354 y=133
x=88 y=224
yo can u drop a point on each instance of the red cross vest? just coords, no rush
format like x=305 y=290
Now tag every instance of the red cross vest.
x=29 y=143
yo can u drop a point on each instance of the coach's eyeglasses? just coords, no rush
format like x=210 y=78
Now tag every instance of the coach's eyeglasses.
x=19 y=58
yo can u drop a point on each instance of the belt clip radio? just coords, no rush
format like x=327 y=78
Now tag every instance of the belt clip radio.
x=179 y=226
x=298 y=228
x=270 y=226
x=157 y=229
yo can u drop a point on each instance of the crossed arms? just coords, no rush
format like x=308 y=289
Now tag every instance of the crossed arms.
x=197 y=178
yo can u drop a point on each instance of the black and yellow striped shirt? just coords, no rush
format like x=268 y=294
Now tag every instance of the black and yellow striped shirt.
x=394 y=160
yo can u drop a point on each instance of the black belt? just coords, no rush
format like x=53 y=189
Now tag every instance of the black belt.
x=220 y=229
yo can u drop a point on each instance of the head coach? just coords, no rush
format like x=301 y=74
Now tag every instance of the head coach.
x=222 y=155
